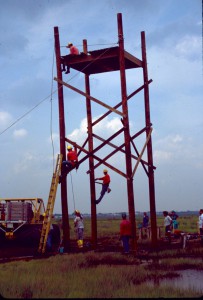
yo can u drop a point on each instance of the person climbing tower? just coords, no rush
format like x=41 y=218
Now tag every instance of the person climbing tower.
x=70 y=163
x=105 y=185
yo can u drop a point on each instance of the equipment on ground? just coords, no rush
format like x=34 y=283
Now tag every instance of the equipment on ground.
x=26 y=220
x=21 y=218
x=80 y=243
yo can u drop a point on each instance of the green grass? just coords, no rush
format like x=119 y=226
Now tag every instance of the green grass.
x=87 y=275
x=106 y=227
x=102 y=275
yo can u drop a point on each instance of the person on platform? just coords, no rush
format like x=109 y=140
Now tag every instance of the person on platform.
x=73 y=51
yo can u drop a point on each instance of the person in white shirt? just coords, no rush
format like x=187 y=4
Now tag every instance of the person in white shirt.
x=201 y=221
x=167 y=224
x=79 y=226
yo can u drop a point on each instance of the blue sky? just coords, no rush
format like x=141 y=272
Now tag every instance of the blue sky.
x=29 y=102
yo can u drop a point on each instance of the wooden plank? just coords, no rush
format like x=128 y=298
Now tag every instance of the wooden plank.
x=89 y=97
x=140 y=156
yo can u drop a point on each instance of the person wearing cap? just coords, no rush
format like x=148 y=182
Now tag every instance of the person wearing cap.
x=125 y=233
x=70 y=163
x=167 y=224
x=79 y=227
x=73 y=51
x=105 y=185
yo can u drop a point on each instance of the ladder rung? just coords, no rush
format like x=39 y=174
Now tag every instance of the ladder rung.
x=50 y=205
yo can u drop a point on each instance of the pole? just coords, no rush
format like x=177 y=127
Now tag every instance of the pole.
x=149 y=145
x=64 y=200
x=91 y=159
x=126 y=132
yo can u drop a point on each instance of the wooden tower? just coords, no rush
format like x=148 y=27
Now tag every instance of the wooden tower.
x=95 y=62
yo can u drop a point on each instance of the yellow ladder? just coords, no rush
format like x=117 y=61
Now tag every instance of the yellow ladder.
x=50 y=205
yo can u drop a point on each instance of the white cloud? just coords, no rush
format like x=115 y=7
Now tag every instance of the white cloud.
x=189 y=46
x=174 y=51
x=176 y=139
x=114 y=124
x=168 y=149
x=20 y=133
x=170 y=141
x=5 y=119
x=25 y=163
x=104 y=127
x=162 y=156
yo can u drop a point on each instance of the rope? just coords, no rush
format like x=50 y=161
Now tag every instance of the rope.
x=93 y=45
x=53 y=92
x=51 y=100
x=72 y=191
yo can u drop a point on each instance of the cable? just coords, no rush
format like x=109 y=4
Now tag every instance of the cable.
x=20 y=118
x=72 y=191
x=51 y=133
x=29 y=111
x=93 y=45
x=88 y=65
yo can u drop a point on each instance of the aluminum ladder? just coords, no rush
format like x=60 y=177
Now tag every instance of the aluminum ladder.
x=50 y=206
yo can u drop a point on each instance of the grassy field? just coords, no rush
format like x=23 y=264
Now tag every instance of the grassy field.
x=93 y=274
x=110 y=226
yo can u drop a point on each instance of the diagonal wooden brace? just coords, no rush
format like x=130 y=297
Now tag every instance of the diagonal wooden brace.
x=141 y=153
x=89 y=97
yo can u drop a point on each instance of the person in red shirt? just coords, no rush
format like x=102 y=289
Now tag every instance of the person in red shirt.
x=73 y=51
x=70 y=163
x=105 y=185
x=125 y=233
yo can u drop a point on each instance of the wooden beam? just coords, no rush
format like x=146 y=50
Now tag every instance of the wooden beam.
x=96 y=157
x=120 y=103
x=141 y=153
x=89 y=97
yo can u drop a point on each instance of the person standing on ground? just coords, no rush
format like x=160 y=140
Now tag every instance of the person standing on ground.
x=201 y=222
x=145 y=220
x=73 y=51
x=167 y=224
x=145 y=223
x=125 y=233
x=79 y=227
x=105 y=185
x=174 y=217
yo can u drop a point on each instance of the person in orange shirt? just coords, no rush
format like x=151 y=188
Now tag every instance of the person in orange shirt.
x=73 y=51
x=105 y=185
x=70 y=163
x=125 y=233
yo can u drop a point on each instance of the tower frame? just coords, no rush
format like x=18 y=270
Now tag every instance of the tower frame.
x=95 y=62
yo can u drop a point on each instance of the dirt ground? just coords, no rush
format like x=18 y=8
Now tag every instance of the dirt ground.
x=11 y=250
